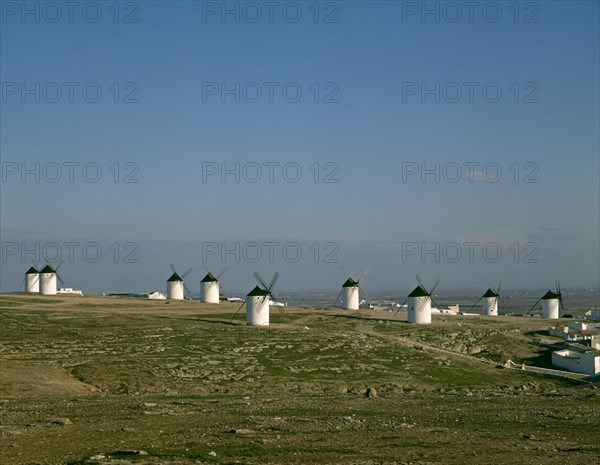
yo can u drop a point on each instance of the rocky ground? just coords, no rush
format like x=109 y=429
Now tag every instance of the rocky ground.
x=100 y=380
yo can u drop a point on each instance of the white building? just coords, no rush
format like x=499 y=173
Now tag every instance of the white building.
x=155 y=295
x=489 y=303
x=69 y=290
x=590 y=315
x=580 y=360
x=47 y=281
x=257 y=307
x=175 y=287
x=419 y=306
x=32 y=280
x=350 y=300
x=550 y=305
x=209 y=289
x=575 y=331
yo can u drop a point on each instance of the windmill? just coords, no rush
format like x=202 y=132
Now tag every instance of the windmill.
x=47 y=279
x=31 y=280
x=258 y=300
x=350 y=291
x=419 y=303
x=552 y=303
x=176 y=285
x=490 y=301
x=209 y=287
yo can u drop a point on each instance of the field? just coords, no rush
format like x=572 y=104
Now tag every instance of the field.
x=106 y=380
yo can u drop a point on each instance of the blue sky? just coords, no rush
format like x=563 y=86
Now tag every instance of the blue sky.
x=367 y=61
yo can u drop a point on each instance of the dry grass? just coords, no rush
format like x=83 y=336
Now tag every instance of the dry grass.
x=180 y=380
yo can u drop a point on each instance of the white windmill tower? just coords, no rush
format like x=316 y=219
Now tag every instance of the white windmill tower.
x=489 y=301
x=258 y=302
x=176 y=285
x=419 y=303
x=32 y=280
x=48 y=278
x=210 y=287
x=552 y=303
x=350 y=292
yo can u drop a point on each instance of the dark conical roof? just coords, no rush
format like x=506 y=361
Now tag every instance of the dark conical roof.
x=550 y=295
x=32 y=270
x=47 y=269
x=209 y=278
x=418 y=292
x=490 y=293
x=350 y=283
x=257 y=291
x=174 y=277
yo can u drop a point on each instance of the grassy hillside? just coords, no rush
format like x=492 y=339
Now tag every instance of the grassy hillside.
x=85 y=377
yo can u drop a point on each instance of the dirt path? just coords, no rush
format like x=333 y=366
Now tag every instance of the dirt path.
x=368 y=329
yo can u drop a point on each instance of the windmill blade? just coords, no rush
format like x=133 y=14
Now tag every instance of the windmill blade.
x=400 y=308
x=338 y=298
x=533 y=306
x=279 y=307
x=273 y=281
x=188 y=271
x=262 y=303
x=559 y=293
x=364 y=273
x=345 y=271
x=475 y=304
x=497 y=291
x=173 y=268
x=421 y=283
x=207 y=270
x=221 y=273
x=221 y=287
x=260 y=280
x=187 y=289
x=270 y=288
x=560 y=303
x=60 y=280
x=433 y=302
x=435 y=285
x=365 y=293
x=238 y=310
x=37 y=276
x=22 y=282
